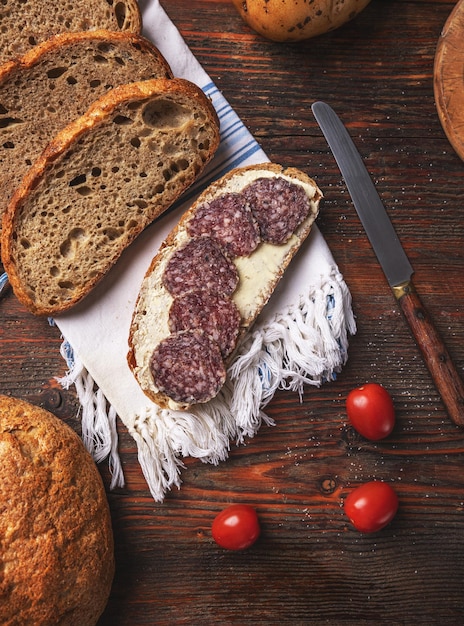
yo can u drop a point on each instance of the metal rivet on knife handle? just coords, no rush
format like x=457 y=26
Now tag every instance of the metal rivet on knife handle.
x=393 y=260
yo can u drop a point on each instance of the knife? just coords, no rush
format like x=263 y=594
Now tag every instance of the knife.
x=393 y=260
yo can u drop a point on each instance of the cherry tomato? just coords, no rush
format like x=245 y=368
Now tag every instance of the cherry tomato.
x=371 y=412
x=236 y=527
x=371 y=506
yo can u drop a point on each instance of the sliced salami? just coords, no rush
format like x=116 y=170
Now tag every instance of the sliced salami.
x=230 y=221
x=278 y=206
x=214 y=314
x=200 y=264
x=188 y=367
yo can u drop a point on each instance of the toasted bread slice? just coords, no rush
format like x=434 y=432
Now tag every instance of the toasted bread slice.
x=99 y=183
x=56 y=82
x=26 y=24
x=258 y=270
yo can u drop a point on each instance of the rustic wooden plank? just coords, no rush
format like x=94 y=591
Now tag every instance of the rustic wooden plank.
x=310 y=566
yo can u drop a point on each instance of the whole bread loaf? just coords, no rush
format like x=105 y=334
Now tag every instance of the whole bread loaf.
x=99 y=183
x=211 y=278
x=56 y=82
x=56 y=548
x=26 y=23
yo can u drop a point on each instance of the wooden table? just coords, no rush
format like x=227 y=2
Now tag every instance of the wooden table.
x=310 y=566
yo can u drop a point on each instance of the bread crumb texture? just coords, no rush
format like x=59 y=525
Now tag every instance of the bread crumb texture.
x=91 y=201
x=56 y=543
x=25 y=23
x=55 y=83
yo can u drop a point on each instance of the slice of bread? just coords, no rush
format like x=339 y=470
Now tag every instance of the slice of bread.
x=26 y=23
x=258 y=271
x=56 y=82
x=57 y=549
x=99 y=183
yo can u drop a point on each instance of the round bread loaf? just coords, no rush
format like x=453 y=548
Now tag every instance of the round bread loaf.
x=56 y=541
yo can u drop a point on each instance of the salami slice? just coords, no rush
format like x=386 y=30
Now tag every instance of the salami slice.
x=200 y=264
x=188 y=367
x=215 y=315
x=278 y=205
x=230 y=221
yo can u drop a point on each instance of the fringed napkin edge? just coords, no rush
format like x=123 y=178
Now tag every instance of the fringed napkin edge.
x=306 y=344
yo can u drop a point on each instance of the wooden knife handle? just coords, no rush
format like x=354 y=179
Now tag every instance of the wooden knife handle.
x=444 y=374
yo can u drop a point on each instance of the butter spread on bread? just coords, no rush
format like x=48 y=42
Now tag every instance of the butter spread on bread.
x=57 y=554
x=26 y=23
x=176 y=362
x=56 y=82
x=99 y=183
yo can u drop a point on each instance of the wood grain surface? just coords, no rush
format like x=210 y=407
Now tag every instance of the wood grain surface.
x=310 y=566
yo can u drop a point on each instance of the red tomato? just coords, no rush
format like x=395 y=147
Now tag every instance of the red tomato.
x=371 y=412
x=371 y=506
x=236 y=527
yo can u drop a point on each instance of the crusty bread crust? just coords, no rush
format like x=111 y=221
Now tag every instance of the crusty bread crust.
x=55 y=82
x=56 y=538
x=26 y=24
x=135 y=151
x=34 y=55
x=259 y=274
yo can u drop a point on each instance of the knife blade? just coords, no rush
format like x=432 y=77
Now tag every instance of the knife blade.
x=393 y=260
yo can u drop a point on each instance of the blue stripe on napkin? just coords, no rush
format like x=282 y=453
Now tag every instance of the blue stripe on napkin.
x=237 y=148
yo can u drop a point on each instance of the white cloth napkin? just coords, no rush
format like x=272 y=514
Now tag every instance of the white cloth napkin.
x=300 y=338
